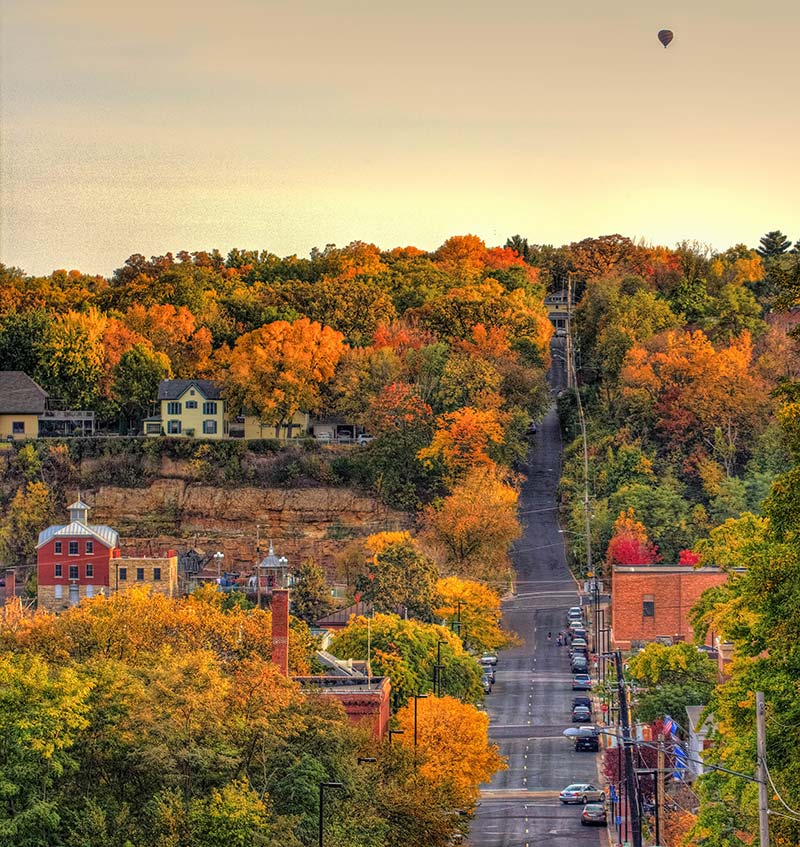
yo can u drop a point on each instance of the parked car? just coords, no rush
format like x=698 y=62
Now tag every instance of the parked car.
x=581 y=682
x=582 y=792
x=594 y=814
x=575 y=613
x=344 y=438
x=582 y=700
x=581 y=714
x=364 y=438
x=577 y=642
x=488 y=659
x=587 y=743
x=579 y=667
x=580 y=651
x=580 y=633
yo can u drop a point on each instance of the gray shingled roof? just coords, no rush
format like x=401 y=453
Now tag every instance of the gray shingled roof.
x=173 y=389
x=19 y=394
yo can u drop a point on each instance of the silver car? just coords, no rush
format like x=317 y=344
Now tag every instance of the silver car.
x=582 y=792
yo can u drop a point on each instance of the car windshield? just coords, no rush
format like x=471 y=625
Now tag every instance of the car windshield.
x=594 y=807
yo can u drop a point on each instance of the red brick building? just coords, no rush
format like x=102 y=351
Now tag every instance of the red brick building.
x=73 y=560
x=648 y=601
x=80 y=560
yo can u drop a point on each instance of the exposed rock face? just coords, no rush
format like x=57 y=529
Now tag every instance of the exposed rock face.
x=176 y=513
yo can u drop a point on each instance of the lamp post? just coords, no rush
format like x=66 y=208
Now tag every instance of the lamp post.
x=437 y=671
x=395 y=732
x=322 y=787
x=417 y=698
x=218 y=557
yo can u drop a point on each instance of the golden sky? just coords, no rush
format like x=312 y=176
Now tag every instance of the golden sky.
x=154 y=126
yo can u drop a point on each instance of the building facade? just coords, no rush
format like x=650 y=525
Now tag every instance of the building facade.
x=189 y=408
x=80 y=560
x=22 y=403
x=654 y=601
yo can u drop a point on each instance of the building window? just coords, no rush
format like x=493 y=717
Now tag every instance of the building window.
x=89 y=570
x=174 y=427
x=210 y=427
x=59 y=571
x=18 y=427
x=90 y=546
x=140 y=574
x=123 y=574
x=209 y=408
x=59 y=592
x=191 y=391
x=156 y=574
x=58 y=548
x=191 y=404
x=173 y=408
x=73 y=571
x=73 y=548
x=153 y=428
x=648 y=606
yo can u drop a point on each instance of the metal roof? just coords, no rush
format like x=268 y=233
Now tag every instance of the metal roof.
x=19 y=394
x=104 y=534
x=174 y=389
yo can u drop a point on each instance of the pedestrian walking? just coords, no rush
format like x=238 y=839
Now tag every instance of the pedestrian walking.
x=549 y=636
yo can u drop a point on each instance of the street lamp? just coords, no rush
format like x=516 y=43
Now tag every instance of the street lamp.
x=437 y=671
x=395 y=732
x=322 y=787
x=218 y=557
x=417 y=697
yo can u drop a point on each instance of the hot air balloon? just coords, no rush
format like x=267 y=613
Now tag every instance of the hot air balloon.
x=665 y=36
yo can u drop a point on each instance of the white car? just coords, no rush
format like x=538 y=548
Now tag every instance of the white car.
x=364 y=438
x=582 y=792
x=488 y=659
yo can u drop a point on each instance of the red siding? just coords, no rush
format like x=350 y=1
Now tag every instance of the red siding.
x=47 y=559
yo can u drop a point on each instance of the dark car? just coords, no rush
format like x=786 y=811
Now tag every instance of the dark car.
x=579 y=665
x=581 y=714
x=594 y=814
x=580 y=633
x=582 y=700
x=587 y=743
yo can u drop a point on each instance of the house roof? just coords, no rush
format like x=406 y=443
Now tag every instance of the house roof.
x=19 y=394
x=104 y=534
x=173 y=389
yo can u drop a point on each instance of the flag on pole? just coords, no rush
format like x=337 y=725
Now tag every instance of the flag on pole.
x=680 y=762
x=670 y=727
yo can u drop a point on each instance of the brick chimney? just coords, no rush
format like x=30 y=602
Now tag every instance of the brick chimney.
x=280 y=629
x=11 y=585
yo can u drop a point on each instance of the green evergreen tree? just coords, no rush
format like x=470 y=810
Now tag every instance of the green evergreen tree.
x=773 y=244
x=311 y=597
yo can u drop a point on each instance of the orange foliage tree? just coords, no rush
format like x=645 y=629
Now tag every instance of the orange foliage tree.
x=469 y=531
x=463 y=440
x=277 y=370
x=452 y=744
x=173 y=330
x=473 y=610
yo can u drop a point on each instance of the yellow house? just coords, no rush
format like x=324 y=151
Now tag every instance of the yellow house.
x=189 y=408
x=296 y=428
x=22 y=402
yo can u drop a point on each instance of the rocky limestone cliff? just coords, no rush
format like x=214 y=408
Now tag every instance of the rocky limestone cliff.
x=179 y=514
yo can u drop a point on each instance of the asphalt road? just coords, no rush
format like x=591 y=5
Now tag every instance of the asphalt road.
x=530 y=704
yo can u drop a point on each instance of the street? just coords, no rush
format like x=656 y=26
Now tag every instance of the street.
x=530 y=704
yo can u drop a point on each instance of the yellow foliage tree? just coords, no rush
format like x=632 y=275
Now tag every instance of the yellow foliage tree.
x=473 y=610
x=452 y=744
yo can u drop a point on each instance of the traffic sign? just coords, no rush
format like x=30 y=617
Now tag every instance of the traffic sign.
x=604 y=707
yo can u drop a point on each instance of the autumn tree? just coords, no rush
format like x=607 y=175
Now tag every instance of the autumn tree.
x=469 y=531
x=277 y=370
x=453 y=744
x=31 y=510
x=72 y=357
x=472 y=610
x=629 y=543
x=405 y=651
x=174 y=331
x=464 y=439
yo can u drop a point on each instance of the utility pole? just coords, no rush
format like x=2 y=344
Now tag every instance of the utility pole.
x=761 y=752
x=568 y=346
x=659 y=781
x=627 y=748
